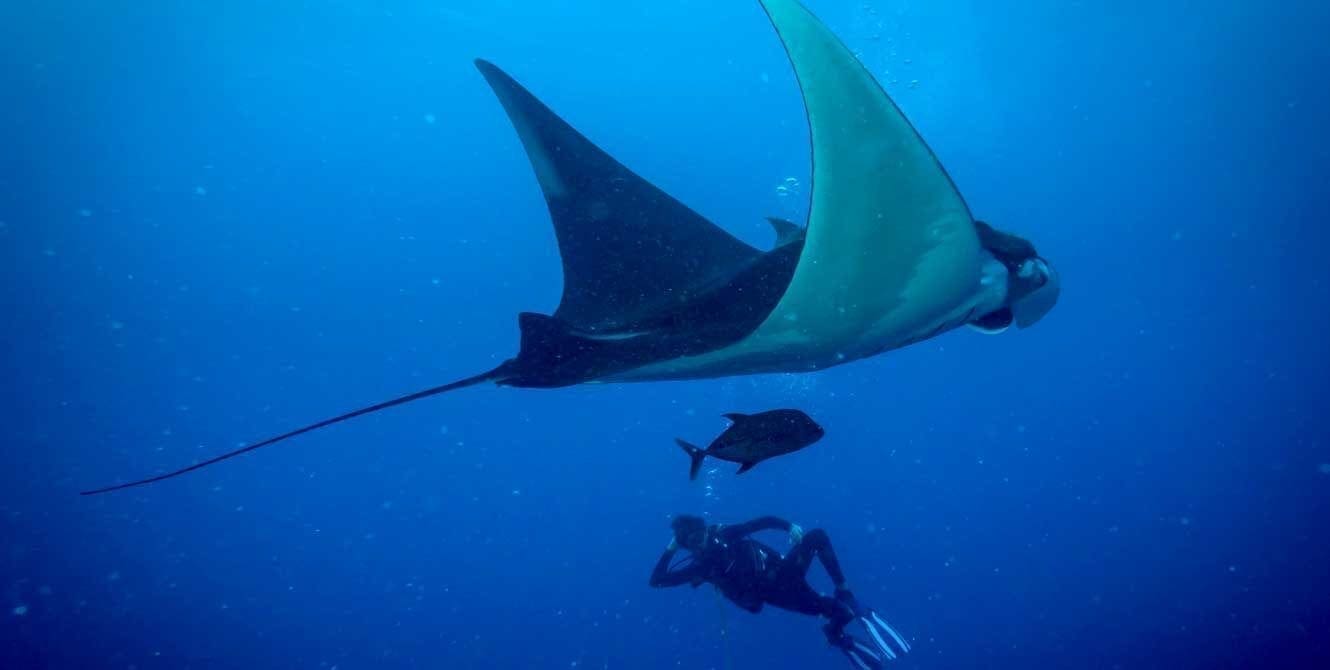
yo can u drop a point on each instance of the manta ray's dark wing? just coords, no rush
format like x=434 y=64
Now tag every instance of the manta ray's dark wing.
x=628 y=248
x=645 y=278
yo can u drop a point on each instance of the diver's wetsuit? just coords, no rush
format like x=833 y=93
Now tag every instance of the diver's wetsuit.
x=752 y=574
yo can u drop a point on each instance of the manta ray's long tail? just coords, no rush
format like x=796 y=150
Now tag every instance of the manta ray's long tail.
x=469 y=381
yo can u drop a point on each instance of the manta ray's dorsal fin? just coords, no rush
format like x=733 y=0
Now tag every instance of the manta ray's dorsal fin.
x=627 y=247
x=890 y=243
x=786 y=231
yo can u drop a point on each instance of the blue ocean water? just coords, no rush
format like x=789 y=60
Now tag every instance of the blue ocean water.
x=221 y=221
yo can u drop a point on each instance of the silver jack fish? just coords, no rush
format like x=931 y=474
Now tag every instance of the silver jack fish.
x=753 y=438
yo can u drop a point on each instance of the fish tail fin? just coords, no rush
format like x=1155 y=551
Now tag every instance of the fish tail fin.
x=492 y=375
x=695 y=454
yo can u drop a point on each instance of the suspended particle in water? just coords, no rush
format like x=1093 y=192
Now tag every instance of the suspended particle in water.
x=21 y=610
x=430 y=119
x=199 y=190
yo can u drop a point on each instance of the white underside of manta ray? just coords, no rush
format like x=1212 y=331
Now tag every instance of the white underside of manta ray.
x=890 y=254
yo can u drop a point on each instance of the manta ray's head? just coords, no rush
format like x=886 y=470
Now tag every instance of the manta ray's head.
x=1032 y=291
x=1033 y=285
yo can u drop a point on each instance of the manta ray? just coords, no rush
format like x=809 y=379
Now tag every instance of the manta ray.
x=890 y=254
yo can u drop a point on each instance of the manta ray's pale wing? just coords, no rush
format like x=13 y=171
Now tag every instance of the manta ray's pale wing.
x=628 y=248
x=891 y=254
x=891 y=246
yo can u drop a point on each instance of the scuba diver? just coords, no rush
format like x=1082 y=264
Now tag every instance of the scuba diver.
x=752 y=574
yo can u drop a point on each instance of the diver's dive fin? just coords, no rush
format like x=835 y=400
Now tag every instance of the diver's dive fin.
x=695 y=454
x=896 y=637
x=469 y=381
x=860 y=655
x=878 y=630
x=786 y=231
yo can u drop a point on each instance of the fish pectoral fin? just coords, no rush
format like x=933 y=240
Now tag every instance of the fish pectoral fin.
x=745 y=467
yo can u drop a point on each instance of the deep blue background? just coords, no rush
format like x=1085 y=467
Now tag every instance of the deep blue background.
x=222 y=220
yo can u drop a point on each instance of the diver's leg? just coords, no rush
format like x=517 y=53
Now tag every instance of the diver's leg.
x=844 y=608
x=840 y=610
x=862 y=656
x=817 y=543
x=837 y=614
x=790 y=591
x=797 y=595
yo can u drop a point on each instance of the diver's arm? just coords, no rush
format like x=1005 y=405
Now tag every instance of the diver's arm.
x=756 y=525
x=662 y=576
